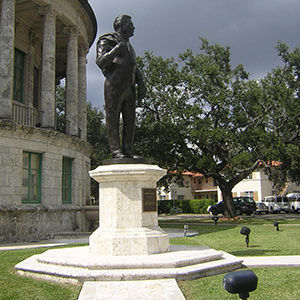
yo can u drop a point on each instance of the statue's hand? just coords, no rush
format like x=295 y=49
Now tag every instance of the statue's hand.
x=142 y=91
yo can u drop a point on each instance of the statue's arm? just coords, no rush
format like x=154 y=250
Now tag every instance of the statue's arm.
x=139 y=77
x=106 y=52
x=142 y=90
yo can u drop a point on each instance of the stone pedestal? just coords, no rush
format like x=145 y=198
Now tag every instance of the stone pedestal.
x=127 y=227
x=128 y=245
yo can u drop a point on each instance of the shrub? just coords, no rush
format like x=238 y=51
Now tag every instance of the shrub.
x=195 y=206
x=164 y=206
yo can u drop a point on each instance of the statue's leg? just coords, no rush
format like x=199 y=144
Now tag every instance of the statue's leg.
x=128 y=114
x=112 y=108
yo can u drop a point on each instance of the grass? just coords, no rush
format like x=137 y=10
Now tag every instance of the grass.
x=264 y=239
x=273 y=284
x=15 y=287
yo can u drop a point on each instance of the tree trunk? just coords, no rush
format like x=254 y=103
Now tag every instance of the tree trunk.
x=228 y=203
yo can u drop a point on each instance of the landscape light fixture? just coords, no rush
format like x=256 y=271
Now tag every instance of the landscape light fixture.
x=246 y=231
x=215 y=218
x=185 y=230
x=276 y=224
x=240 y=282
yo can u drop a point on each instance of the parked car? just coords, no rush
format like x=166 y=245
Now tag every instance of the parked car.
x=242 y=205
x=276 y=204
x=294 y=202
x=261 y=208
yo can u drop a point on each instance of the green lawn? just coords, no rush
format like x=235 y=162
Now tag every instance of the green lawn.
x=264 y=239
x=15 y=287
x=273 y=284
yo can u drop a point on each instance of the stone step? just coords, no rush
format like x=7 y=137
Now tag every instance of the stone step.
x=57 y=265
x=171 y=259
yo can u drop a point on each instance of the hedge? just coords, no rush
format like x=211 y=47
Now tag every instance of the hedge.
x=195 y=206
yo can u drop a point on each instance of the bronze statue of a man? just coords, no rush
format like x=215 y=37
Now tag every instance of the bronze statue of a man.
x=116 y=58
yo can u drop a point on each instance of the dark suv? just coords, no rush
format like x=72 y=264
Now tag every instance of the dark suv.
x=242 y=205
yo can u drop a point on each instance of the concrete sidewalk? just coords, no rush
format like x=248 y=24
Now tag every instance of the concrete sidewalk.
x=255 y=261
x=44 y=244
x=272 y=261
x=263 y=261
x=83 y=239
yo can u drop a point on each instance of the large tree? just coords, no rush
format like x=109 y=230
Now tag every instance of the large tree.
x=96 y=135
x=97 y=138
x=204 y=116
x=282 y=106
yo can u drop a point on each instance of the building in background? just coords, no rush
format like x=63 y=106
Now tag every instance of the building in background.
x=196 y=186
x=191 y=186
x=44 y=180
x=257 y=186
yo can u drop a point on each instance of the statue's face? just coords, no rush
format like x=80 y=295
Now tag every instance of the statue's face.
x=128 y=28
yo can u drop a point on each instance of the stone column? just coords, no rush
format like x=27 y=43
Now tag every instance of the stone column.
x=82 y=113
x=48 y=68
x=72 y=81
x=32 y=115
x=7 y=49
x=30 y=71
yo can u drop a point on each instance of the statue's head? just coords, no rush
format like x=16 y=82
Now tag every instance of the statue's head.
x=124 y=25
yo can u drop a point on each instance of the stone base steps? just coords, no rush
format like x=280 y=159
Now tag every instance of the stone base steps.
x=77 y=265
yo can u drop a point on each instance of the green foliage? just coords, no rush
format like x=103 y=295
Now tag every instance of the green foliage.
x=97 y=138
x=195 y=206
x=186 y=207
x=164 y=206
x=158 y=126
x=282 y=106
x=60 y=112
x=201 y=115
x=200 y=206
x=96 y=135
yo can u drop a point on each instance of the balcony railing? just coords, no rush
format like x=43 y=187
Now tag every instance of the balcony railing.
x=31 y=116
x=25 y=115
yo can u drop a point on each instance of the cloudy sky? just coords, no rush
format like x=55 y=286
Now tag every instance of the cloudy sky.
x=251 y=28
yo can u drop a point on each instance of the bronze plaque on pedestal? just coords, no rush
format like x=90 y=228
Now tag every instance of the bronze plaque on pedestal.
x=149 y=200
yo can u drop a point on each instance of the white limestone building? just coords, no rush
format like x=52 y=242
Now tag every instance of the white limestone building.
x=44 y=180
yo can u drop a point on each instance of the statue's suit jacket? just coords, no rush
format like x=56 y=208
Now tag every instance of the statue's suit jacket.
x=118 y=68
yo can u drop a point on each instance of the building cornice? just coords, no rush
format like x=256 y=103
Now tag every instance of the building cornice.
x=90 y=13
x=57 y=138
